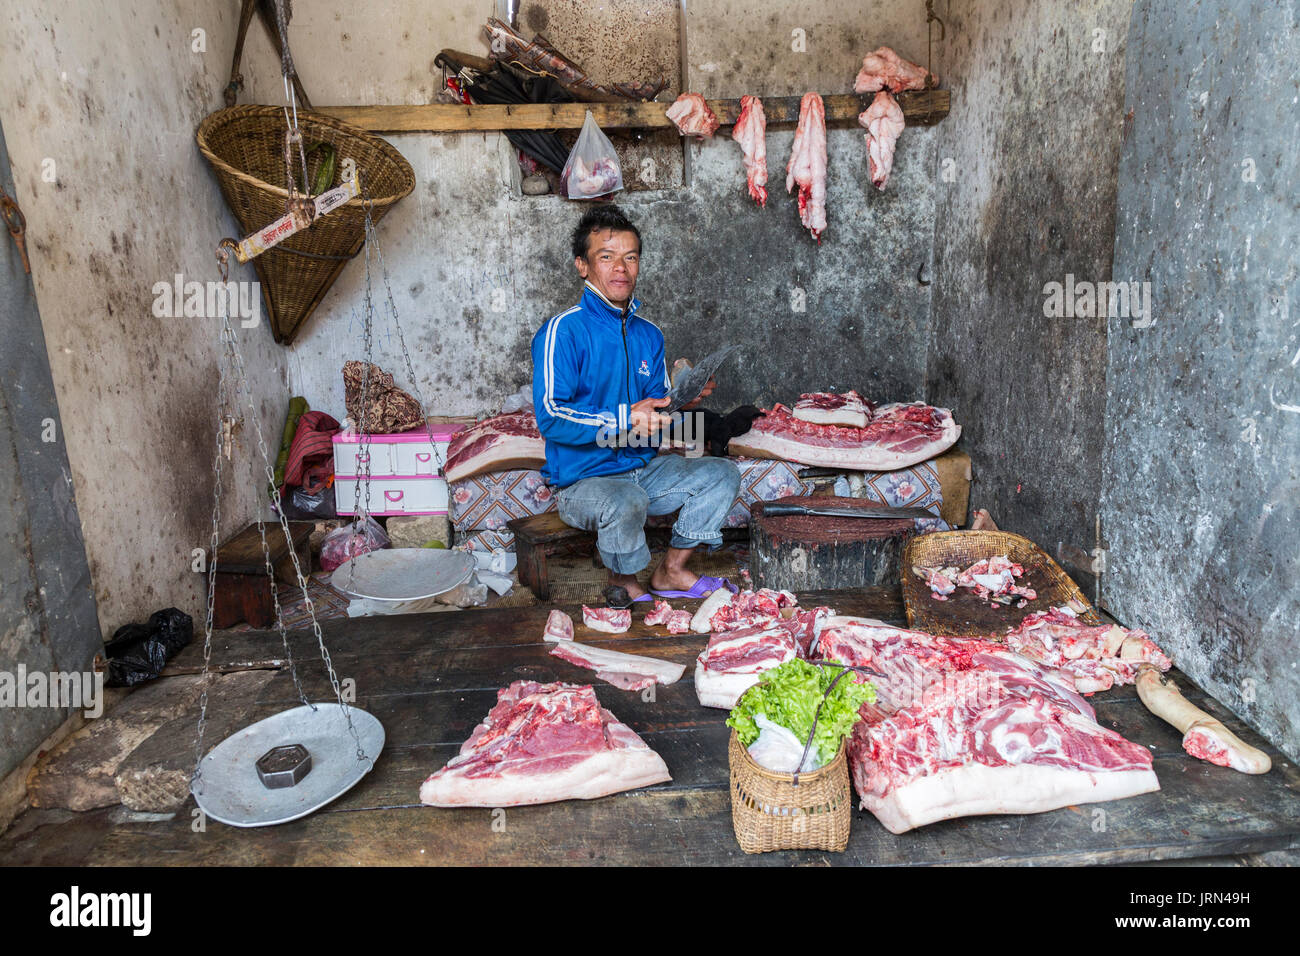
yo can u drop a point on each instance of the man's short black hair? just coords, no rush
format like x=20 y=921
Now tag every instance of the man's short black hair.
x=604 y=216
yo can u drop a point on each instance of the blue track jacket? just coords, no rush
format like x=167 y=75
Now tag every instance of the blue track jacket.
x=589 y=368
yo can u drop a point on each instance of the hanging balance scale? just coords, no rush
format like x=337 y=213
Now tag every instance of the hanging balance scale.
x=299 y=760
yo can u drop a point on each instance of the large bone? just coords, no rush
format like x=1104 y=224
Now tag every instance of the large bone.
x=1203 y=736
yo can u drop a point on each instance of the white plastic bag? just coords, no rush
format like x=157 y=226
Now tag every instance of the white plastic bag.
x=519 y=400
x=592 y=168
x=778 y=749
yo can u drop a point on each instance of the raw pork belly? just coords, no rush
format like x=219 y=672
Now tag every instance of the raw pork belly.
x=898 y=436
x=807 y=165
x=607 y=619
x=963 y=726
x=628 y=671
x=827 y=408
x=1098 y=656
x=732 y=662
x=736 y=656
x=883 y=121
x=499 y=443
x=692 y=116
x=749 y=132
x=559 y=627
x=883 y=69
x=540 y=743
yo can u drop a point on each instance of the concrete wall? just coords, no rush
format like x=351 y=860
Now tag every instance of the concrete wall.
x=1201 y=497
x=99 y=103
x=1026 y=194
x=716 y=267
x=47 y=609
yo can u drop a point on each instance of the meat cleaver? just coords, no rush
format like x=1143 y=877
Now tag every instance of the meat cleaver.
x=772 y=510
x=693 y=380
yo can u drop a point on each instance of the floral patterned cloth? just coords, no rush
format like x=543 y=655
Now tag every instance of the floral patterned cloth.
x=481 y=505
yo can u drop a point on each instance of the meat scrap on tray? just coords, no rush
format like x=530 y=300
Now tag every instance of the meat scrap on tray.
x=992 y=579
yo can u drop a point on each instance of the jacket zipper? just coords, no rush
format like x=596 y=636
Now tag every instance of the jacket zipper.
x=627 y=371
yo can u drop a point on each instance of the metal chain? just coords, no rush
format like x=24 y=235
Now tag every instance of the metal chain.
x=360 y=508
x=243 y=386
x=373 y=236
x=222 y=407
x=269 y=472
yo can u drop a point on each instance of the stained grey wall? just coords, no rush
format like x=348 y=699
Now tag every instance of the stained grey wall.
x=1026 y=194
x=99 y=103
x=47 y=608
x=717 y=268
x=1201 y=490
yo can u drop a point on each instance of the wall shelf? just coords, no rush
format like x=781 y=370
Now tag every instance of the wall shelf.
x=920 y=108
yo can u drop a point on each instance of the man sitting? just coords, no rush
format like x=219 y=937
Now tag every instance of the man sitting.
x=599 y=378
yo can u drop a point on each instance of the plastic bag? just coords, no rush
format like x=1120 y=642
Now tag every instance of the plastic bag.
x=472 y=593
x=138 y=652
x=349 y=541
x=778 y=749
x=592 y=168
x=519 y=400
x=302 y=505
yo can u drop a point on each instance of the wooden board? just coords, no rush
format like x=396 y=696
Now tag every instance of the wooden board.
x=920 y=108
x=431 y=678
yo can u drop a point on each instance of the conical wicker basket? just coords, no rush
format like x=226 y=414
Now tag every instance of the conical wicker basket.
x=245 y=145
x=769 y=812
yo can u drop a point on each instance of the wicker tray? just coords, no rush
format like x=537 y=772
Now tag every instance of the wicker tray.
x=965 y=615
x=769 y=812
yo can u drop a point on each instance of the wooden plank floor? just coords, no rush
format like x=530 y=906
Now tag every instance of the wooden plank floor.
x=431 y=678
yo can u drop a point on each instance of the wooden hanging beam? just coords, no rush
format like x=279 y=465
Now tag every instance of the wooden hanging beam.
x=920 y=108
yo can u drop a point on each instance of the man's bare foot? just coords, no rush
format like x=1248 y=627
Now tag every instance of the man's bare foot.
x=672 y=575
x=665 y=579
x=629 y=583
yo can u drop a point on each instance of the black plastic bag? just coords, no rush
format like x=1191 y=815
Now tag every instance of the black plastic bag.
x=138 y=652
x=303 y=506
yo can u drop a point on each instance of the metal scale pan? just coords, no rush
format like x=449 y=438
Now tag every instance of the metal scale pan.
x=403 y=574
x=250 y=780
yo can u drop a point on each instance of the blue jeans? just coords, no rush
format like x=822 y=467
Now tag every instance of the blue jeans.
x=615 y=506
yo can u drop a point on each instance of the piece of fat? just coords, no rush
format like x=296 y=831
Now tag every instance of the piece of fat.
x=719 y=598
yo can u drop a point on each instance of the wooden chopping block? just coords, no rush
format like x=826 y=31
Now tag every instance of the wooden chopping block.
x=813 y=552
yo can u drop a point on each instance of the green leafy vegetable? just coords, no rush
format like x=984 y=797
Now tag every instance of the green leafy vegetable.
x=789 y=694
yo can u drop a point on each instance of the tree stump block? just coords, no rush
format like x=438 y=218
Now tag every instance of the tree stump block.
x=814 y=552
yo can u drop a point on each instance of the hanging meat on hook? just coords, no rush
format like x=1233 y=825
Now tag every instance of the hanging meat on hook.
x=883 y=69
x=807 y=165
x=692 y=116
x=883 y=121
x=750 y=132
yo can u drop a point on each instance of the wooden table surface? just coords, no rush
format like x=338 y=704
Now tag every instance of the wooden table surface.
x=431 y=678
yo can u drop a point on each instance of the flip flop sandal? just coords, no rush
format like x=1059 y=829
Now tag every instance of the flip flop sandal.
x=701 y=588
